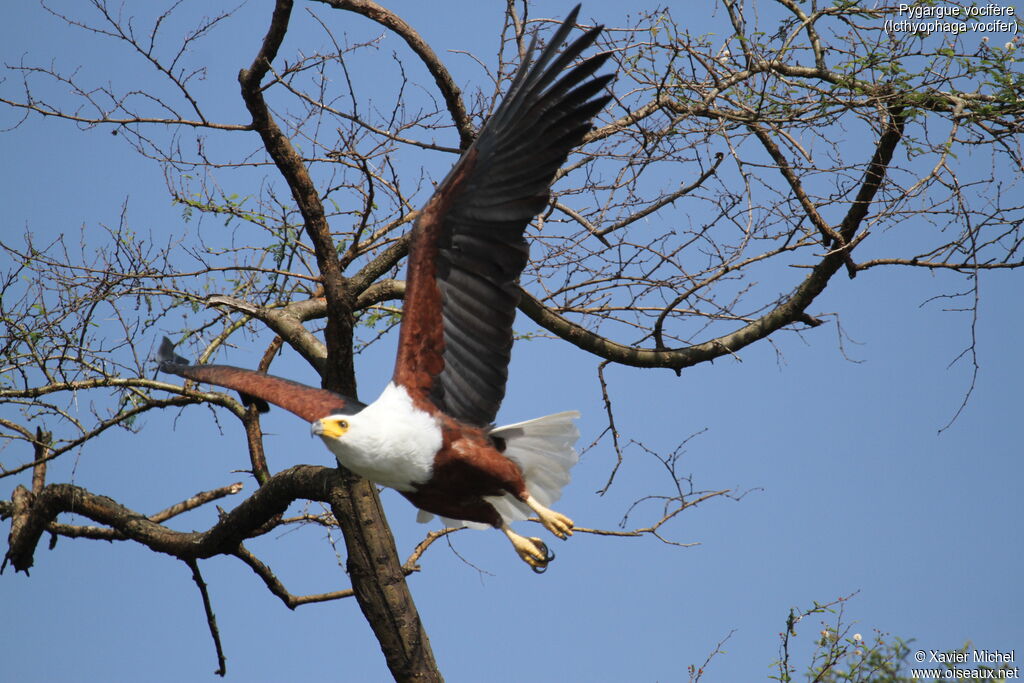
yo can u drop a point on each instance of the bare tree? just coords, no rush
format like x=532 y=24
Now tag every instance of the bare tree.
x=805 y=139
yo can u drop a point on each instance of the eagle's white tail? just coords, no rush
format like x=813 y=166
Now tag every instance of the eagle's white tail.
x=543 y=449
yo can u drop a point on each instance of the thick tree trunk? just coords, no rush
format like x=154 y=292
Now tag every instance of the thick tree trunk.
x=373 y=563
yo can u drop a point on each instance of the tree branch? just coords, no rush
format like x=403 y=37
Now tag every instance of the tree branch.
x=211 y=618
x=445 y=83
x=32 y=515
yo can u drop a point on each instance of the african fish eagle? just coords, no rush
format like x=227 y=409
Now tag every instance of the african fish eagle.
x=430 y=434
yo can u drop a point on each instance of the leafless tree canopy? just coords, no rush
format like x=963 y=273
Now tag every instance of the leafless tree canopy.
x=734 y=176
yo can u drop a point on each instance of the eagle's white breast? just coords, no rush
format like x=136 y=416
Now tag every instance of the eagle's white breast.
x=390 y=441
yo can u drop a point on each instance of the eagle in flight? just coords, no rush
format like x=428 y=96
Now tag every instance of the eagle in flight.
x=430 y=434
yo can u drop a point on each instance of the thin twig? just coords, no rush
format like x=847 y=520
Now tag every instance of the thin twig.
x=211 y=618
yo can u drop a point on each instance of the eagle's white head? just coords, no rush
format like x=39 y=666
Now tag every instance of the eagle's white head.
x=332 y=427
x=389 y=441
x=352 y=438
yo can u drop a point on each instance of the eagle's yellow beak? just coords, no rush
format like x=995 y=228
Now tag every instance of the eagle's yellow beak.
x=334 y=427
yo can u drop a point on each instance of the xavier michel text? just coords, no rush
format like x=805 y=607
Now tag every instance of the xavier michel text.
x=963 y=657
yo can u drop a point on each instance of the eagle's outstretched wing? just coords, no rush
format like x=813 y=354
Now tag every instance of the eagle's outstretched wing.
x=468 y=250
x=259 y=388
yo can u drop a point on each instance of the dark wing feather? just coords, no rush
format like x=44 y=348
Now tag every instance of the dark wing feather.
x=259 y=388
x=467 y=248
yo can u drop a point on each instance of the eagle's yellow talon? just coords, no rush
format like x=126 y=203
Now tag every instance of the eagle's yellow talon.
x=555 y=522
x=558 y=524
x=532 y=551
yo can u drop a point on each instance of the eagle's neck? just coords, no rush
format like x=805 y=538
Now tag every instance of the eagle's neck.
x=392 y=442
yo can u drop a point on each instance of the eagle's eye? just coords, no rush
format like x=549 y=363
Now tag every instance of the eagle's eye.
x=342 y=424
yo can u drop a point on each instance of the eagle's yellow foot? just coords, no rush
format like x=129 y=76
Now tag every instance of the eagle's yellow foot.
x=555 y=522
x=532 y=551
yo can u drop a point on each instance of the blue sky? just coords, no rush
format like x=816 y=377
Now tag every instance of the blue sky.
x=851 y=486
